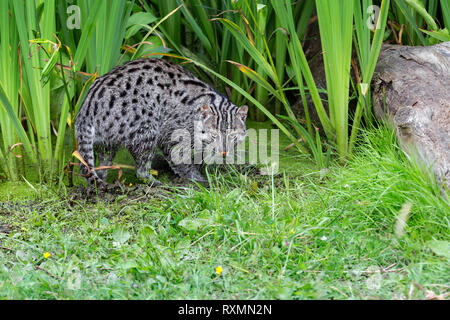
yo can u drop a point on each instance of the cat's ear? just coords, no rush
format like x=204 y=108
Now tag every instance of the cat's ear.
x=206 y=112
x=242 y=112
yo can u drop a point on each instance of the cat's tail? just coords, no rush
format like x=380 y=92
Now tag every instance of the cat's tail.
x=84 y=133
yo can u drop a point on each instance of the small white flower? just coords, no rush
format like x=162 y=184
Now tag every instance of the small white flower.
x=346 y=186
x=324 y=238
x=116 y=244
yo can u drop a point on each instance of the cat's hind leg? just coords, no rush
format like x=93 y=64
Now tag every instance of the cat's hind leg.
x=105 y=155
x=189 y=172
x=186 y=170
x=143 y=155
x=85 y=140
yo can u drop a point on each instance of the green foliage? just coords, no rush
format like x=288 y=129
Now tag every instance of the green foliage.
x=31 y=80
x=315 y=230
x=367 y=56
x=419 y=17
x=303 y=234
x=250 y=50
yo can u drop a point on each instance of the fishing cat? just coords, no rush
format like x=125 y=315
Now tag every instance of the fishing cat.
x=140 y=105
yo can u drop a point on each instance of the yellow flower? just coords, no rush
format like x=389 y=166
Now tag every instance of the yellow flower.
x=47 y=255
x=131 y=184
x=219 y=270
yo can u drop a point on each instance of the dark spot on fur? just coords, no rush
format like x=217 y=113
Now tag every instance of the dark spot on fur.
x=194 y=83
x=100 y=93
x=111 y=102
x=134 y=62
x=212 y=96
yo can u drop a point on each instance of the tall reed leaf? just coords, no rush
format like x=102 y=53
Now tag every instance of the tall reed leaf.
x=336 y=23
x=298 y=58
x=368 y=59
x=33 y=61
x=80 y=51
x=9 y=83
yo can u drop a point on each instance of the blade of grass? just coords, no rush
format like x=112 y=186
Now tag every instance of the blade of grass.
x=336 y=23
x=25 y=18
x=411 y=21
x=369 y=69
x=284 y=9
x=9 y=78
x=445 y=9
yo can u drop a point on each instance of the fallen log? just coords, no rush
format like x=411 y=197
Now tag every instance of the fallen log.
x=411 y=91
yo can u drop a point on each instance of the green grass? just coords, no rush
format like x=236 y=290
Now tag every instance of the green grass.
x=304 y=235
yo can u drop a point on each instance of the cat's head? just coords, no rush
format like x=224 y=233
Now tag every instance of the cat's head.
x=223 y=128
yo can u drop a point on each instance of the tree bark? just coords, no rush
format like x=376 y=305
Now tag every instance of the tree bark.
x=411 y=91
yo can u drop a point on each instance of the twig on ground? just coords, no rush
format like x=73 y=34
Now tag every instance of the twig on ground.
x=47 y=272
x=292 y=144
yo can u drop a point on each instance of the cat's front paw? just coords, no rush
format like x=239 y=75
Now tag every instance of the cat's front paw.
x=96 y=186
x=200 y=179
x=204 y=183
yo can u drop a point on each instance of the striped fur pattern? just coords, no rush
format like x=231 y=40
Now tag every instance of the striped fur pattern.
x=139 y=105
